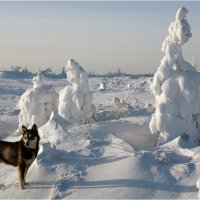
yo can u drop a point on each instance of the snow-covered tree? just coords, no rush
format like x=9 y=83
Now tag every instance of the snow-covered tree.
x=176 y=86
x=75 y=100
x=37 y=103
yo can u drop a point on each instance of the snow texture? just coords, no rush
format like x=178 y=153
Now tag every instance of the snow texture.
x=37 y=103
x=176 y=86
x=120 y=106
x=75 y=100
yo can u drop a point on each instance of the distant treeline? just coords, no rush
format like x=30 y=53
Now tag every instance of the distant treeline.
x=23 y=72
x=110 y=75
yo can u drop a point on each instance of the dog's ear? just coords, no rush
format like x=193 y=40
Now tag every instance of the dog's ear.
x=24 y=129
x=34 y=127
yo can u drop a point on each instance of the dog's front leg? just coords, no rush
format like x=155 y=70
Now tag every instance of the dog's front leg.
x=21 y=171
x=25 y=173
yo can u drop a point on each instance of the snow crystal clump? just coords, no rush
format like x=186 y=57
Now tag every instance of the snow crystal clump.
x=176 y=86
x=75 y=100
x=37 y=103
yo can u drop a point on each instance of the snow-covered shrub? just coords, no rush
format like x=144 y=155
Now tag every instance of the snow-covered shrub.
x=37 y=103
x=176 y=86
x=119 y=105
x=75 y=100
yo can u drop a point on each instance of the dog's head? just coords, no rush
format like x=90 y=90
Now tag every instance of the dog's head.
x=31 y=137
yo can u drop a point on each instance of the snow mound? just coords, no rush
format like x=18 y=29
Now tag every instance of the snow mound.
x=57 y=132
x=75 y=100
x=175 y=162
x=37 y=103
x=176 y=86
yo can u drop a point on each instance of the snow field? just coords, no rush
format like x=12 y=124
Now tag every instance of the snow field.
x=117 y=156
x=97 y=160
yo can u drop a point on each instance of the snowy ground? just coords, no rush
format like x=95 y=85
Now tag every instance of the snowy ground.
x=114 y=158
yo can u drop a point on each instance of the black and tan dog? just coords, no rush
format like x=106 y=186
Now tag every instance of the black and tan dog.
x=22 y=153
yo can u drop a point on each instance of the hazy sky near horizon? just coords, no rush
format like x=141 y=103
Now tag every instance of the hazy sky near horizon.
x=101 y=36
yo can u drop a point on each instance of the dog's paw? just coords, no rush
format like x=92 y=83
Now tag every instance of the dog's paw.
x=21 y=187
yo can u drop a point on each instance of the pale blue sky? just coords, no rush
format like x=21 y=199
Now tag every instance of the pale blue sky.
x=101 y=36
